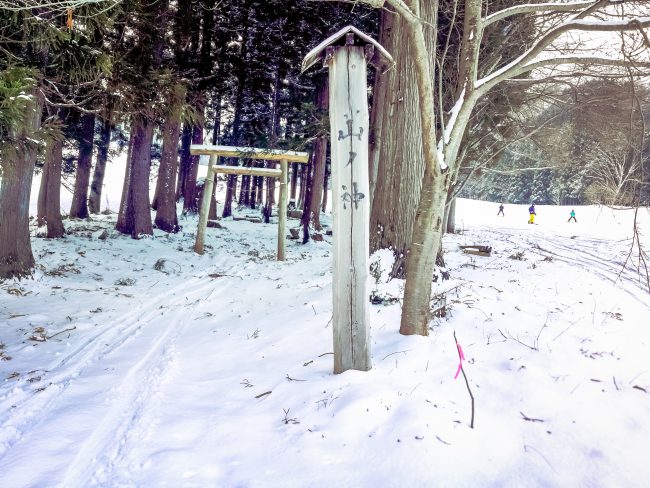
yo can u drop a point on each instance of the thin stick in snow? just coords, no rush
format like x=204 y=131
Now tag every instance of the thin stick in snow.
x=460 y=365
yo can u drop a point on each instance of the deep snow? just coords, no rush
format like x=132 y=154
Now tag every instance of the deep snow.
x=216 y=370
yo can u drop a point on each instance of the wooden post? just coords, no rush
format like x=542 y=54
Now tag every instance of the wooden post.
x=346 y=54
x=205 y=206
x=282 y=210
x=350 y=213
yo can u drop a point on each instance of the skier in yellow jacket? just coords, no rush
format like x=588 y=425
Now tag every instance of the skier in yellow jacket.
x=531 y=211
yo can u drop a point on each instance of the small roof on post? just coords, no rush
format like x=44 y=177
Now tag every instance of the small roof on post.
x=341 y=38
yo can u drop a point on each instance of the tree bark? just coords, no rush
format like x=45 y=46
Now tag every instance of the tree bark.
x=42 y=197
x=259 y=200
x=95 y=199
x=306 y=209
x=319 y=162
x=427 y=229
x=270 y=200
x=166 y=218
x=16 y=258
x=244 y=191
x=79 y=207
x=186 y=142
x=190 y=201
x=325 y=190
x=396 y=145
x=293 y=185
x=52 y=197
x=231 y=187
x=450 y=216
x=135 y=217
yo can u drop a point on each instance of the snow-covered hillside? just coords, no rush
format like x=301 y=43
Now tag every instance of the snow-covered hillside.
x=140 y=363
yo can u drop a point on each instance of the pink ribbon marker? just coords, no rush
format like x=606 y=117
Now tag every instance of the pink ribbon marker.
x=460 y=361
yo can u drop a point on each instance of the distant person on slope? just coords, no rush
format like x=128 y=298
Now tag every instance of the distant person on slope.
x=531 y=211
x=501 y=210
x=573 y=216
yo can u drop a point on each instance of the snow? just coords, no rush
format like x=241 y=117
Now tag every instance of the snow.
x=453 y=115
x=216 y=370
x=313 y=56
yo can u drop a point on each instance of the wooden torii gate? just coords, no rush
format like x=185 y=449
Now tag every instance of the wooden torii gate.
x=285 y=157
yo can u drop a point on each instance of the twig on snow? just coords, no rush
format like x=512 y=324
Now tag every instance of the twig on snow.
x=510 y=336
x=293 y=379
x=65 y=330
x=396 y=352
x=530 y=419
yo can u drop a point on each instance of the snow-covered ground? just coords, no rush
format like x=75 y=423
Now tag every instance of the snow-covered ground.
x=139 y=363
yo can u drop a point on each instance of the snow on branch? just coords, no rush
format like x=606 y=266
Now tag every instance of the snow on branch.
x=526 y=62
x=536 y=7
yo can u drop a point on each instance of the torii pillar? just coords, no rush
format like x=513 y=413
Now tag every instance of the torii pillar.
x=346 y=54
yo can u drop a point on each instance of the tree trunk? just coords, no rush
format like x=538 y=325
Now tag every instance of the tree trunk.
x=270 y=200
x=79 y=207
x=16 y=258
x=42 y=197
x=306 y=209
x=95 y=199
x=303 y=186
x=427 y=229
x=318 y=181
x=166 y=218
x=230 y=192
x=319 y=162
x=244 y=192
x=49 y=197
x=450 y=215
x=186 y=142
x=294 y=185
x=396 y=148
x=190 y=201
x=325 y=190
x=260 y=191
x=135 y=217
x=253 y=194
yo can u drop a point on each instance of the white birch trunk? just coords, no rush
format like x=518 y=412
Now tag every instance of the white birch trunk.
x=350 y=208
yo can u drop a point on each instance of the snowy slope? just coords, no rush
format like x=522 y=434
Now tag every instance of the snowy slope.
x=215 y=370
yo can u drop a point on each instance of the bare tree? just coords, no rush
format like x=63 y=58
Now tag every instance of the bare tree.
x=441 y=150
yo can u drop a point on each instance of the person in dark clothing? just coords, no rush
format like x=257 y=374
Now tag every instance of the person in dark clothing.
x=501 y=210
x=573 y=216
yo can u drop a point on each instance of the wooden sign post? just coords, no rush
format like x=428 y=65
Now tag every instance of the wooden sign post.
x=346 y=54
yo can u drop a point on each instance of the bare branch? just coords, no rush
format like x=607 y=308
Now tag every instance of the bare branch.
x=537 y=7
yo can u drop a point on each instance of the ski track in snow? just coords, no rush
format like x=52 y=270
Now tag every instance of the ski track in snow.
x=133 y=392
x=574 y=253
